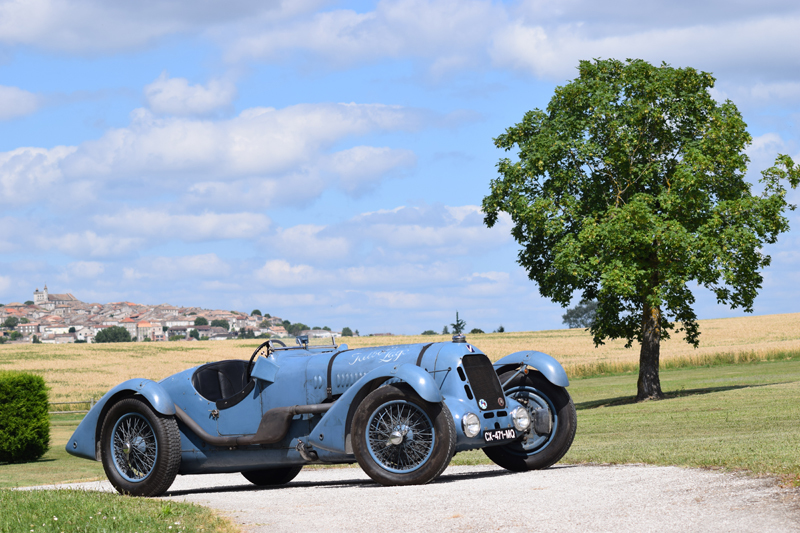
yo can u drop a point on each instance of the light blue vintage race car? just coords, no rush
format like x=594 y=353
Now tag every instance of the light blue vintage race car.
x=401 y=412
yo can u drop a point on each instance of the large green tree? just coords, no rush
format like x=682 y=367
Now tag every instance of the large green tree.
x=113 y=334
x=220 y=323
x=629 y=187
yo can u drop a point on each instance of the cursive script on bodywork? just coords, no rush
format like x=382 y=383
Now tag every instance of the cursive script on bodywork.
x=379 y=356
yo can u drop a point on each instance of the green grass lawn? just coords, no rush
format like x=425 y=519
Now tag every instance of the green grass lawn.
x=75 y=510
x=56 y=466
x=737 y=417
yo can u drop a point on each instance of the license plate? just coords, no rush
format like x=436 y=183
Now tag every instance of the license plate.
x=497 y=435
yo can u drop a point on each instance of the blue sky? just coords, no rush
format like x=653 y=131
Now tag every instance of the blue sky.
x=325 y=161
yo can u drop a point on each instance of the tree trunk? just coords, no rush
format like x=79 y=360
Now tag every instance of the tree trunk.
x=649 y=384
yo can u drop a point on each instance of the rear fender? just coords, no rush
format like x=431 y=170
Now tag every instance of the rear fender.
x=333 y=431
x=83 y=442
x=549 y=367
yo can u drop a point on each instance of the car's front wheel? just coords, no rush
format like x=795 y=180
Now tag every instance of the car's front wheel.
x=401 y=439
x=547 y=440
x=140 y=448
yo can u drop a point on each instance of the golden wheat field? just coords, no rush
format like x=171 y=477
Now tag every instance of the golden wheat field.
x=82 y=371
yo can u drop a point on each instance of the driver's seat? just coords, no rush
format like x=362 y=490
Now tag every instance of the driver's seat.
x=223 y=382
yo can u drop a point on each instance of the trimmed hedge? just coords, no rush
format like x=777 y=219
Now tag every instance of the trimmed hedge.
x=24 y=421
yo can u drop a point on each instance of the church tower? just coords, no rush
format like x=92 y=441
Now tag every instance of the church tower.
x=40 y=297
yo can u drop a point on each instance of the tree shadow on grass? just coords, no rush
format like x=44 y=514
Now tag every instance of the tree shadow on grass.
x=668 y=395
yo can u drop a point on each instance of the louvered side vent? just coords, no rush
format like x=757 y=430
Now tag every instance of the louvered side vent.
x=484 y=382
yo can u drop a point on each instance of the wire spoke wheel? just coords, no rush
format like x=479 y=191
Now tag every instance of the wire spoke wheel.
x=135 y=448
x=400 y=436
x=534 y=400
x=537 y=450
x=400 y=439
x=140 y=448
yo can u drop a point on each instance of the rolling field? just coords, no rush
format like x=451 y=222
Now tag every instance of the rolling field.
x=82 y=371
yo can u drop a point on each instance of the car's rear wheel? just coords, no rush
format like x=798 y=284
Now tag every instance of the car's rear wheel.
x=556 y=412
x=272 y=476
x=400 y=439
x=140 y=448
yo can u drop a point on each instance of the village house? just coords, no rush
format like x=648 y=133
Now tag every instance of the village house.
x=29 y=328
x=52 y=316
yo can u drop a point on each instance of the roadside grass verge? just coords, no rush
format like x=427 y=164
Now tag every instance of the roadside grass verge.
x=86 y=511
x=55 y=466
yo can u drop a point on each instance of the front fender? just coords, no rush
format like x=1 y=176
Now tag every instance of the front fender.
x=331 y=432
x=548 y=366
x=83 y=442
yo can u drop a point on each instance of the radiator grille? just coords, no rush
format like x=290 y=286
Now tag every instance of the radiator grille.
x=484 y=382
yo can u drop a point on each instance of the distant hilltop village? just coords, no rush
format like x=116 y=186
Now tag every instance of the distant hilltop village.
x=62 y=318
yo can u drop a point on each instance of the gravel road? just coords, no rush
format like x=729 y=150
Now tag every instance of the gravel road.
x=619 y=499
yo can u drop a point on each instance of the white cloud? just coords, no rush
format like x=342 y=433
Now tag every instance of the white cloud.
x=84 y=269
x=762 y=44
x=307 y=241
x=15 y=102
x=88 y=244
x=261 y=151
x=190 y=228
x=25 y=173
x=359 y=168
x=781 y=91
x=279 y=273
x=96 y=26
x=764 y=150
x=174 y=96
x=178 y=268
x=260 y=141
x=457 y=230
x=406 y=236
x=451 y=32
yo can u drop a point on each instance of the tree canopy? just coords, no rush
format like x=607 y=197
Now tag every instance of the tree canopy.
x=218 y=323
x=580 y=316
x=113 y=334
x=458 y=325
x=630 y=186
x=200 y=321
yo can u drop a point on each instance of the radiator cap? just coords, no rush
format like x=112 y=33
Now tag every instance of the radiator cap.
x=459 y=338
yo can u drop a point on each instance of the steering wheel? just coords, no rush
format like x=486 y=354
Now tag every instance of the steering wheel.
x=255 y=354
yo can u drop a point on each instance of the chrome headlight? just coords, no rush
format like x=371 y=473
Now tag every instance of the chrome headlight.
x=471 y=424
x=521 y=419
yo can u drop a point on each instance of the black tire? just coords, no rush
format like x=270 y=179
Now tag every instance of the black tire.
x=140 y=448
x=425 y=431
x=272 y=476
x=534 y=451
